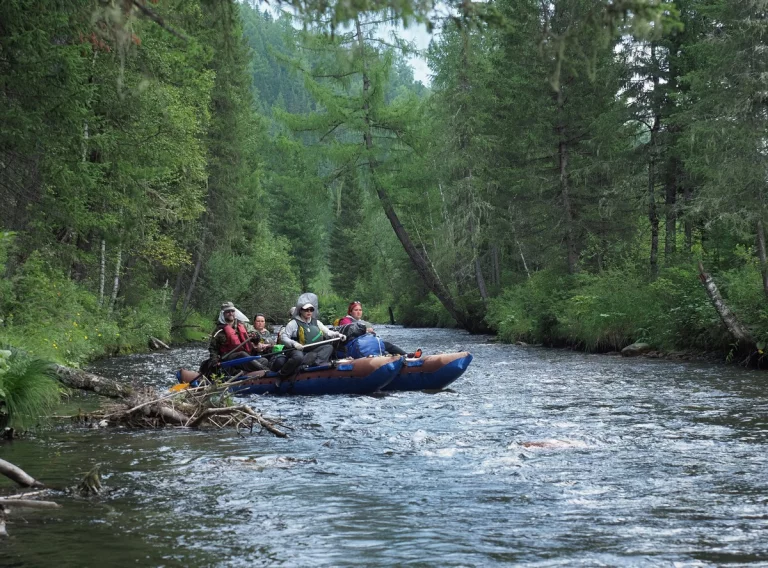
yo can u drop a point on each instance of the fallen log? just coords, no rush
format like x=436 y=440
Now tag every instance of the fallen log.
x=79 y=379
x=729 y=319
x=28 y=504
x=155 y=343
x=18 y=475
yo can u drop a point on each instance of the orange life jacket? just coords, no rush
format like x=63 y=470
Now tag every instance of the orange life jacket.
x=235 y=338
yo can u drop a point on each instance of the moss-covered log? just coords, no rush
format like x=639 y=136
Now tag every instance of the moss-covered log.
x=79 y=379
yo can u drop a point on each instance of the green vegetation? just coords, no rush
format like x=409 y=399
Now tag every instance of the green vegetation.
x=556 y=183
x=27 y=388
x=608 y=311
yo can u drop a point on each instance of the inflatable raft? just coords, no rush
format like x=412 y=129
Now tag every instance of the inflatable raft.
x=430 y=372
x=347 y=376
x=352 y=376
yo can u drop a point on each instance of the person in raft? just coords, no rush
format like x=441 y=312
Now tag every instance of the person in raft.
x=354 y=326
x=233 y=340
x=267 y=337
x=301 y=332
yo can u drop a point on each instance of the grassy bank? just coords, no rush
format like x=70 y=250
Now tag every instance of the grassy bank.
x=608 y=311
x=52 y=317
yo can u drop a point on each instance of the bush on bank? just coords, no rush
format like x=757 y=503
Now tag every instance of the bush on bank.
x=608 y=311
x=50 y=316
x=27 y=388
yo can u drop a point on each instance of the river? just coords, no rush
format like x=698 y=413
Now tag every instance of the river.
x=535 y=457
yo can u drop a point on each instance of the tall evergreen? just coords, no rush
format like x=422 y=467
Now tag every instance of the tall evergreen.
x=348 y=256
x=561 y=126
x=724 y=114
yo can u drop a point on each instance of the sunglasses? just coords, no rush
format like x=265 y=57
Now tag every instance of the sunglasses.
x=229 y=311
x=307 y=309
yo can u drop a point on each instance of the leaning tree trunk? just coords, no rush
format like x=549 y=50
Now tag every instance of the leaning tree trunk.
x=731 y=322
x=425 y=270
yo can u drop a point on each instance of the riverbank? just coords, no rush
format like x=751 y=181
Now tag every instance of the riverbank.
x=715 y=358
x=607 y=312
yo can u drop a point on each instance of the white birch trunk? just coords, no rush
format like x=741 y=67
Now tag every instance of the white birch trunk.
x=728 y=318
x=116 y=284
x=102 y=271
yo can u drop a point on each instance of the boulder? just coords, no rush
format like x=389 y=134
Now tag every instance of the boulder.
x=636 y=349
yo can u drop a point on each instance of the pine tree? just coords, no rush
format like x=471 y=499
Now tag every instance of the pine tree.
x=561 y=126
x=348 y=256
x=725 y=119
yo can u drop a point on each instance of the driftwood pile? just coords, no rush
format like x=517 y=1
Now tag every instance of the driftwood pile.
x=207 y=405
x=145 y=407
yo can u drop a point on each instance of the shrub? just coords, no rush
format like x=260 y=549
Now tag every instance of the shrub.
x=54 y=318
x=609 y=310
x=137 y=323
x=429 y=312
x=28 y=388
x=530 y=311
x=687 y=319
x=6 y=290
x=331 y=306
x=743 y=287
x=194 y=328
x=260 y=281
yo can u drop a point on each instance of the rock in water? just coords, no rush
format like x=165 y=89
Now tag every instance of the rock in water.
x=635 y=349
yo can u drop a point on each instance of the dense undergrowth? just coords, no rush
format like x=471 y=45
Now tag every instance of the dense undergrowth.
x=608 y=311
x=50 y=316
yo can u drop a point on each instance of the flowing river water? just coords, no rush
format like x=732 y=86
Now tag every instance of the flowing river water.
x=535 y=457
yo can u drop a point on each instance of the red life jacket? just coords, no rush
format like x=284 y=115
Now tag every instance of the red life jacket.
x=235 y=338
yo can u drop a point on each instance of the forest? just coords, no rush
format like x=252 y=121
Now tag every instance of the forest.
x=559 y=180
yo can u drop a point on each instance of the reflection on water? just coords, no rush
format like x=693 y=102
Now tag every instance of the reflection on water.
x=535 y=457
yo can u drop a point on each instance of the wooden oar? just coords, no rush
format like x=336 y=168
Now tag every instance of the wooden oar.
x=320 y=343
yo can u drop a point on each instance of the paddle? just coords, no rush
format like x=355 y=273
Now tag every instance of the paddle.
x=311 y=345
x=264 y=356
